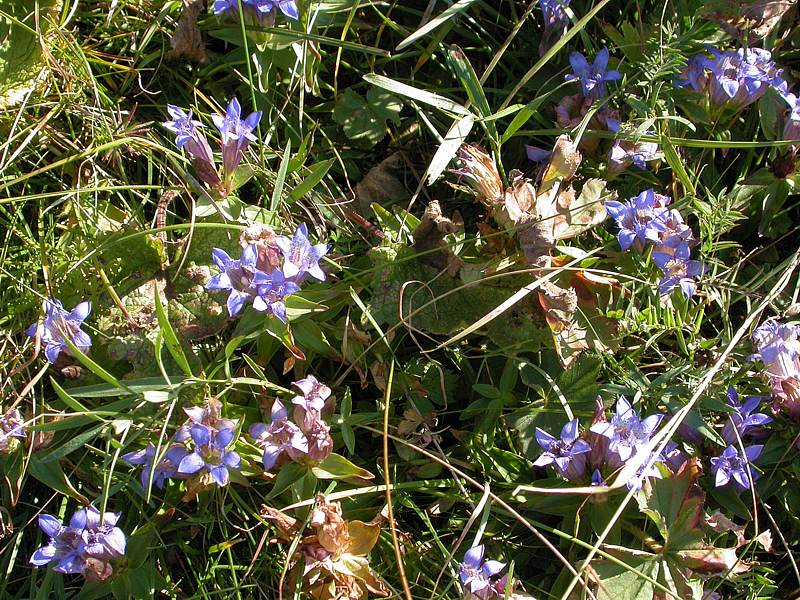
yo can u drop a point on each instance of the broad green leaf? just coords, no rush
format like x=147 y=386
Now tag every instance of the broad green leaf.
x=423 y=96
x=338 y=467
x=52 y=475
x=365 y=119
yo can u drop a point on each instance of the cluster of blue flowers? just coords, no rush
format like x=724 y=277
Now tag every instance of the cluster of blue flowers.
x=308 y=438
x=646 y=219
x=778 y=347
x=609 y=444
x=256 y=277
x=90 y=545
x=262 y=11
x=733 y=78
x=236 y=134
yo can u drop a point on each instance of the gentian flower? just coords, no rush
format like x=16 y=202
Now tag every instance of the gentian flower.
x=318 y=434
x=167 y=467
x=190 y=138
x=210 y=454
x=625 y=152
x=567 y=453
x=640 y=219
x=85 y=546
x=236 y=135
x=626 y=432
x=271 y=290
x=597 y=478
x=791 y=127
x=744 y=419
x=281 y=435
x=643 y=472
x=10 y=427
x=676 y=235
x=238 y=276
x=476 y=574
x=553 y=12
x=678 y=270
x=730 y=465
x=60 y=325
x=311 y=403
x=300 y=257
x=258 y=8
x=779 y=350
x=673 y=456
x=733 y=78
x=592 y=77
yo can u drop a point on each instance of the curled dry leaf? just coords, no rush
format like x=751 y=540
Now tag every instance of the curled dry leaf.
x=748 y=20
x=381 y=185
x=187 y=40
x=429 y=236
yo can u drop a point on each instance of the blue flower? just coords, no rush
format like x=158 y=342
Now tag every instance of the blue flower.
x=167 y=467
x=553 y=11
x=791 y=127
x=734 y=78
x=592 y=77
x=10 y=427
x=261 y=8
x=300 y=256
x=640 y=219
x=626 y=432
x=272 y=290
x=476 y=574
x=210 y=454
x=731 y=466
x=279 y=436
x=625 y=152
x=238 y=276
x=744 y=419
x=190 y=138
x=236 y=135
x=60 y=325
x=679 y=271
x=85 y=546
x=567 y=453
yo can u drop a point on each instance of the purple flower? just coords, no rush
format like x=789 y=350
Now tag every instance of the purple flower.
x=640 y=219
x=730 y=465
x=676 y=234
x=744 y=419
x=65 y=546
x=597 y=478
x=191 y=139
x=261 y=8
x=272 y=290
x=238 y=276
x=779 y=349
x=85 y=546
x=643 y=472
x=476 y=574
x=678 y=270
x=553 y=11
x=567 y=453
x=281 y=435
x=10 y=427
x=60 y=325
x=300 y=257
x=626 y=432
x=734 y=78
x=318 y=434
x=694 y=74
x=311 y=403
x=210 y=454
x=236 y=135
x=791 y=127
x=167 y=467
x=625 y=152
x=592 y=77
x=673 y=456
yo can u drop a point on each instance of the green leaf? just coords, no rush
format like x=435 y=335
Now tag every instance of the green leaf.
x=170 y=339
x=365 y=119
x=450 y=144
x=316 y=174
x=446 y=16
x=338 y=467
x=423 y=96
x=52 y=475
x=21 y=62
x=73 y=444
x=620 y=583
x=280 y=179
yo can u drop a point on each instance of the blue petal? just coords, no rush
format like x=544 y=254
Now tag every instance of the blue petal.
x=191 y=464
